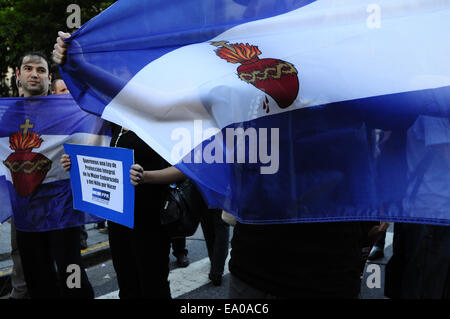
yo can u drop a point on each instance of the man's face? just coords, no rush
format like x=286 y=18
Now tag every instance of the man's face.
x=60 y=87
x=34 y=76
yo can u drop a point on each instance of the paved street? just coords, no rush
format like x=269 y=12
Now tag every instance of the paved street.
x=186 y=283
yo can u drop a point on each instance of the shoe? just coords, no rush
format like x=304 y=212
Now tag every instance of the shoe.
x=100 y=225
x=182 y=261
x=376 y=253
x=216 y=279
x=83 y=244
x=103 y=230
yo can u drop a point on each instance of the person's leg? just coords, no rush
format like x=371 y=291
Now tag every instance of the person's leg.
x=121 y=245
x=83 y=237
x=220 y=250
x=395 y=268
x=180 y=251
x=377 y=251
x=100 y=225
x=208 y=228
x=65 y=249
x=38 y=266
x=152 y=269
x=241 y=290
x=216 y=233
x=426 y=270
x=19 y=286
x=179 y=245
x=446 y=292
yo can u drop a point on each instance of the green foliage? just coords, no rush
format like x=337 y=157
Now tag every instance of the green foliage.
x=32 y=25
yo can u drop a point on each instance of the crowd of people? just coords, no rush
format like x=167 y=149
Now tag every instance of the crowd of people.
x=302 y=260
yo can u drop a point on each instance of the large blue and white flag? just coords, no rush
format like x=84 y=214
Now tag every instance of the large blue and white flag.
x=269 y=105
x=32 y=133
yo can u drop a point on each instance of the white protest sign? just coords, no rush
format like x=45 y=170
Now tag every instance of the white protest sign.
x=101 y=181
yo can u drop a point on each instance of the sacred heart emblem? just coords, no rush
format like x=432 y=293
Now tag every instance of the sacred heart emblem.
x=28 y=169
x=275 y=77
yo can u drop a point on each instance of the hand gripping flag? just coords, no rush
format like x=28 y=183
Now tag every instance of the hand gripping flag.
x=270 y=106
x=32 y=133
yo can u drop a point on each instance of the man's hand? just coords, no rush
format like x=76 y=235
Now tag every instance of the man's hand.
x=136 y=174
x=59 y=53
x=65 y=162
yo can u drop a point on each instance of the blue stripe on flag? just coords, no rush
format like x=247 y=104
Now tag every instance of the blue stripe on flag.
x=326 y=172
x=42 y=115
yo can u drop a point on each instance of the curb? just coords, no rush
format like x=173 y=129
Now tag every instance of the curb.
x=91 y=256
x=96 y=254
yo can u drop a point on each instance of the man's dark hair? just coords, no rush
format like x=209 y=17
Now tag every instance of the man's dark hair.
x=33 y=53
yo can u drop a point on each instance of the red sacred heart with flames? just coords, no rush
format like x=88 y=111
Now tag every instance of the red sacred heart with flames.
x=28 y=169
x=275 y=77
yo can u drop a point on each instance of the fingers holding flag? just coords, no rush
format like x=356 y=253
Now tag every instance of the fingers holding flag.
x=60 y=48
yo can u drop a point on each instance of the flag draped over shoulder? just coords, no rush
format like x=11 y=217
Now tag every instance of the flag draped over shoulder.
x=272 y=106
x=35 y=188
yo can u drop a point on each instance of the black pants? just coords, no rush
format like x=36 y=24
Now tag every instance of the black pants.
x=83 y=233
x=241 y=290
x=179 y=246
x=141 y=261
x=420 y=265
x=217 y=236
x=41 y=252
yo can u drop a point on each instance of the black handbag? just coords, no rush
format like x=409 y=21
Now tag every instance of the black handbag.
x=182 y=209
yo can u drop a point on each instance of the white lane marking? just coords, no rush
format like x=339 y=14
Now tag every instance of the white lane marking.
x=183 y=280
x=111 y=295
